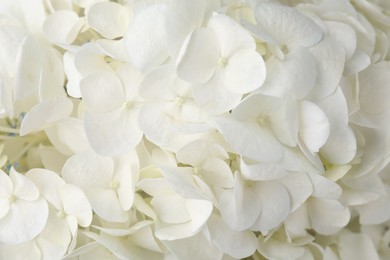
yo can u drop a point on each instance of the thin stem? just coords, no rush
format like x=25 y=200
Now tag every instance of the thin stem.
x=9 y=130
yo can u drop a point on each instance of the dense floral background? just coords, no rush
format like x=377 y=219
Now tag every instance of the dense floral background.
x=194 y=129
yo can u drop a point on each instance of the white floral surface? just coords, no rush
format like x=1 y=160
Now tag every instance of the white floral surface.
x=194 y=129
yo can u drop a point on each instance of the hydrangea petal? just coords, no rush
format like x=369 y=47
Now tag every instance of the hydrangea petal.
x=274 y=249
x=232 y=36
x=23 y=188
x=197 y=152
x=102 y=92
x=113 y=133
x=238 y=244
x=109 y=19
x=62 y=26
x=299 y=187
x=217 y=172
x=323 y=187
x=275 y=206
x=244 y=72
x=105 y=203
x=5 y=184
x=250 y=140
x=286 y=25
x=355 y=246
x=262 y=171
x=197 y=64
x=44 y=113
x=314 y=126
x=327 y=216
x=164 y=207
x=76 y=204
x=88 y=170
x=47 y=183
x=24 y=221
x=145 y=38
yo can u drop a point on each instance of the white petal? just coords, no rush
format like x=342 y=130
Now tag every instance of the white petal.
x=197 y=64
x=284 y=122
x=145 y=38
x=88 y=170
x=240 y=206
x=102 y=92
x=72 y=74
x=68 y=136
x=113 y=48
x=250 y=140
x=336 y=109
x=262 y=171
x=217 y=172
x=213 y=97
x=231 y=35
x=323 y=187
x=127 y=175
x=286 y=25
x=113 y=133
x=373 y=90
x=76 y=204
x=374 y=212
x=44 y=113
x=314 y=126
x=48 y=183
x=238 y=244
x=5 y=184
x=299 y=187
x=171 y=208
x=357 y=246
x=24 y=221
x=23 y=188
x=193 y=248
x=330 y=60
x=199 y=211
x=109 y=19
x=327 y=216
x=197 y=152
x=275 y=249
x=105 y=204
x=245 y=71
x=275 y=206
x=181 y=19
x=254 y=106
x=294 y=76
x=5 y=205
x=341 y=147
x=29 y=66
x=62 y=26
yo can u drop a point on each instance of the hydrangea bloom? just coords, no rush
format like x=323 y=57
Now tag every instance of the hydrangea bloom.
x=207 y=129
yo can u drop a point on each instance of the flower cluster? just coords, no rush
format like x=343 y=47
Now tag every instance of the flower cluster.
x=183 y=129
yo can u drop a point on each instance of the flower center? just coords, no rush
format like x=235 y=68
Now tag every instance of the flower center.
x=179 y=100
x=262 y=120
x=11 y=199
x=61 y=214
x=223 y=61
x=127 y=105
x=114 y=184
x=198 y=170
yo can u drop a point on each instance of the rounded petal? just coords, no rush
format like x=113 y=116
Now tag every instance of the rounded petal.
x=23 y=188
x=45 y=113
x=275 y=206
x=299 y=187
x=24 y=221
x=105 y=203
x=145 y=38
x=76 y=204
x=250 y=140
x=48 y=183
x=262 y=171
x=171 y=208
x=62 y=27
x=113 y=133
x=217 y=172
x=5 y=184
x=197 y=64
x=314 y=126
x=102 y=92
x=88 y=170
x=231 y=35
x=109 y=19
x=286 y=25
x=341 y=146
x=327 y=216
x=238 y=244
x=245 y=71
